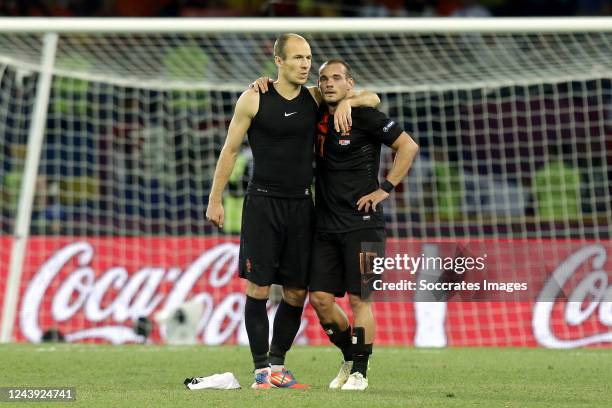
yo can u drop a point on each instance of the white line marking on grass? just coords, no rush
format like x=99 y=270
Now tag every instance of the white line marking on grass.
x=45 y=349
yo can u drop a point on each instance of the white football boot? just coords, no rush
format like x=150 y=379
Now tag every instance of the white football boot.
x=355 y=381
x=343 y=375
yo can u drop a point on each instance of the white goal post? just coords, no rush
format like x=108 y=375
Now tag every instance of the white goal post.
x=490 y=100
x=306 y=25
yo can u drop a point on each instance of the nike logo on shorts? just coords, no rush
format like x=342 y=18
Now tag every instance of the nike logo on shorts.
x=289 y=114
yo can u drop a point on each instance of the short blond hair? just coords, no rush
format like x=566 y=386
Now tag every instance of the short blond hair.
x=281 y=42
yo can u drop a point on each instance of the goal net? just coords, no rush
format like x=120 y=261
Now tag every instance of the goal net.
x=514 y=128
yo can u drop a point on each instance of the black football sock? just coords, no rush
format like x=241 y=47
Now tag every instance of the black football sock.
x=341 y=339
x=257 y=327
x=361 y=352
x=286 y=326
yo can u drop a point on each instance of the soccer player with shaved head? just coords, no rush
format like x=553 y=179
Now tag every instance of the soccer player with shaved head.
x=278 y=212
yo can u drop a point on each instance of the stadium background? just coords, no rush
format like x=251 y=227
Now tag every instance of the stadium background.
x=518 y=169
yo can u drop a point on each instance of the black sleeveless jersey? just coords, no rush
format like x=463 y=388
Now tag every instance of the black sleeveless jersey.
x=282 y=136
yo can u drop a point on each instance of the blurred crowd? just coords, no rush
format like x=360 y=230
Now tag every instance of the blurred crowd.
x=128 y=161
x=304 y=8
x=133 y=161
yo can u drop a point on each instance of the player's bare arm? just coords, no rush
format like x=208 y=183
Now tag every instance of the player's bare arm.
x=245 y=111
x=342 y=115
x=405 y=151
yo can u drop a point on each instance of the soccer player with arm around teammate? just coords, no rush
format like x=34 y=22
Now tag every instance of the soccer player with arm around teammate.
x=349 y=217
x=278 y=213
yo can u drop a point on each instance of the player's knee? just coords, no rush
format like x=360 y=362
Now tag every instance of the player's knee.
x=257 y=292
x=294 y=296
x=321 y=301
x=357 y=303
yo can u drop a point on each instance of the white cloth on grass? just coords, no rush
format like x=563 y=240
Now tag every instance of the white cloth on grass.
x=225 y=381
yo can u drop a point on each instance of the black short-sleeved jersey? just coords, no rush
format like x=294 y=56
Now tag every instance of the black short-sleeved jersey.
x=281 y=136
x=347 y=169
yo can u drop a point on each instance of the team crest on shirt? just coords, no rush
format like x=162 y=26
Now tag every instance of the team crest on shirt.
x=344 y=142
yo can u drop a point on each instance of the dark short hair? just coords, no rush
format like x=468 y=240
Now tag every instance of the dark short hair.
x=281 y=42
x=347 y=67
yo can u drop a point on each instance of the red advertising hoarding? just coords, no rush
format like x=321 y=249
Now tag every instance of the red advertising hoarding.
x=93 y=288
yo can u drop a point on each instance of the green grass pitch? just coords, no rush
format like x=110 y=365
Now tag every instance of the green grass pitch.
x=152 y=376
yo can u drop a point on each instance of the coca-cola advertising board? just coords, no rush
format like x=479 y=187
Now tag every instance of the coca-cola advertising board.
x=93 y=288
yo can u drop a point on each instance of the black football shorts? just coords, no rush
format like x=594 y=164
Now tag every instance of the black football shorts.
x=342 y=262
x=275 y=240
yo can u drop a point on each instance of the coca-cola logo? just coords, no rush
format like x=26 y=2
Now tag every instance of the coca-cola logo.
x=77 y=295
x=591 y=297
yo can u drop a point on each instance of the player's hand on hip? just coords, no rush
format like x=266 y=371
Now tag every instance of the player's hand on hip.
x=342 y=117
x=371 y=200
x=215 y=214
x=260 y=84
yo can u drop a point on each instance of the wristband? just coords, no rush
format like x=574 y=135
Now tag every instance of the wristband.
x=387 y=186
